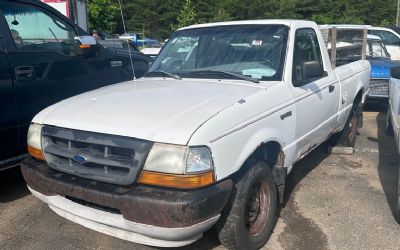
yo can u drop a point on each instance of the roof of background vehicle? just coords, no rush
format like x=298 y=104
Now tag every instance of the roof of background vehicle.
x=344 y=26
x=395 y=29
x=381 y=28
x=287 y=22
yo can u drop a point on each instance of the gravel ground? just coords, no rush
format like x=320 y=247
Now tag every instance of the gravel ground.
x=332 y=202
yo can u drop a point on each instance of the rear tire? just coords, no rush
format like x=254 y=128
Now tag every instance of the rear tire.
x=347 y=137
x=249 y=217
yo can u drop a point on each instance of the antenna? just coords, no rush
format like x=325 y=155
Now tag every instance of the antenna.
x=129 y=49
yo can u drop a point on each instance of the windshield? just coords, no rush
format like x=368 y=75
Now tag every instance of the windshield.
x=376 y=49
x=256 y=51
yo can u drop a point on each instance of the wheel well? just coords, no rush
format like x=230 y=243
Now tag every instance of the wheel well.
x=271 y=153
x=358 y=97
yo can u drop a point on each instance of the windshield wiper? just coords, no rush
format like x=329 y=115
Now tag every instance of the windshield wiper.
x=164 y=73
x=219 y=72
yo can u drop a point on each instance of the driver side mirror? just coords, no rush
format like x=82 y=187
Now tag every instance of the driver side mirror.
x=85 y=46
x=312 y=69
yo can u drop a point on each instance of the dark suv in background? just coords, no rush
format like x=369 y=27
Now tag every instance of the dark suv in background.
x=41 y=65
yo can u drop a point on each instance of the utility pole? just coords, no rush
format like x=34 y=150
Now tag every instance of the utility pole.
x=398 y=13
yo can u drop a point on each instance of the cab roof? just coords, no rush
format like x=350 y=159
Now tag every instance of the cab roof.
x=286 y=22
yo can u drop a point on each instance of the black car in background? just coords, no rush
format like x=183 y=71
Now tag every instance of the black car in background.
x=39 y=66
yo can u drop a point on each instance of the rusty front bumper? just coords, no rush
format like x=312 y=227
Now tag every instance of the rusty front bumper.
x=160 y=207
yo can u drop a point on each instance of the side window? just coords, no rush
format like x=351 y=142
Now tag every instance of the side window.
x=306 y=51
x=388 y=37
x=377 y=50
x=34 y=29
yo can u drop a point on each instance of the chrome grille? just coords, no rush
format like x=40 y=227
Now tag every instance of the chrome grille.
x=379 y=88
x=101 y=157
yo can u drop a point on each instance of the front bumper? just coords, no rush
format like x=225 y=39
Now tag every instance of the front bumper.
x=143 y=214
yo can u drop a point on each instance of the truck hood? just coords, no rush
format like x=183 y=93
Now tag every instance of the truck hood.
x=155 y=109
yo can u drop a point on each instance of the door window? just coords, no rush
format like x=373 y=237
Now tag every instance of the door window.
x=306 y=49
x=376 y=49
x=388 y=37
x=33 y=29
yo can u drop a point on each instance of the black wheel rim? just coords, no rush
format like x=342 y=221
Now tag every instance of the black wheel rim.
x=257 y=208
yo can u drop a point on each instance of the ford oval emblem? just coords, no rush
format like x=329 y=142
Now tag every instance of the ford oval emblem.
x=80 y=159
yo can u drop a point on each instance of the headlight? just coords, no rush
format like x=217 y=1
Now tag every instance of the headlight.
x=178 y=166
x=166 y=159
x=35 y=141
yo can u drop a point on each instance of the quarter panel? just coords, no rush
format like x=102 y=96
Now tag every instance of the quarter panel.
x=353 y=77
x=394 y=51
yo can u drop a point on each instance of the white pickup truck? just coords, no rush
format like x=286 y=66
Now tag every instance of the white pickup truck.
x=393 y=123
x=206 y=138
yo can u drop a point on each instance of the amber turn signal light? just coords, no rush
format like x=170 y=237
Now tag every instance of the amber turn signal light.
x=84 y=46
x=177 y=181
x=36 y=153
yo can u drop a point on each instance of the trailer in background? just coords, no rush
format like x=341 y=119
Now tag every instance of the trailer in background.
x=76 y=10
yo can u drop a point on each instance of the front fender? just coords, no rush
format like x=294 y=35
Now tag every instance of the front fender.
x=230 y=152
x=235 y=133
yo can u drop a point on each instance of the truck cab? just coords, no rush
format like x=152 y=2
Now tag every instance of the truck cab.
x=41 y=64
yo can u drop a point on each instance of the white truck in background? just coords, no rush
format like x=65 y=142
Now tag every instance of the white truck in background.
x=206 y=138
x=393 y=124
x=390 y=38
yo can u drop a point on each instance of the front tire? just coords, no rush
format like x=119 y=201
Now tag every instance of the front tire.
x=249 y=217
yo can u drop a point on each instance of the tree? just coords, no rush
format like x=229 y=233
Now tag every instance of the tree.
x=187 y=16
x=159 y=18
x=221 y=15
x=102 y=14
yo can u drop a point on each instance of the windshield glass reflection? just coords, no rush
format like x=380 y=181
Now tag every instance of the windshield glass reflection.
x=253 y=51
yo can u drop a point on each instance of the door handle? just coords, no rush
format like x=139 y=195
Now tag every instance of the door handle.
x=25 y=73
x=285 y=115
x=331 y=88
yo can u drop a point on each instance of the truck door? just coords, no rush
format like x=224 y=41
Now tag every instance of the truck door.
x=45 y=70
x=316 y=97
x=8 y=113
